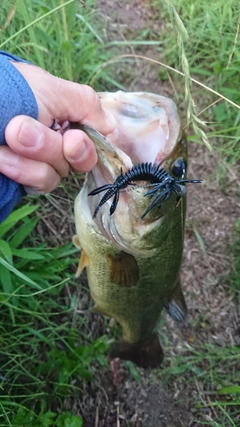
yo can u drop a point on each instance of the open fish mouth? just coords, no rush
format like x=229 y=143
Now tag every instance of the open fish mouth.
x=146 y=134
x=141 y=165
x=148 y=125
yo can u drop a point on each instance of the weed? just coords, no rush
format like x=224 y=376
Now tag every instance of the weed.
x=211 y=373
x=27 y=418
x=208 y=49
x=234 y=276
x=58 y=36
x=41 y=355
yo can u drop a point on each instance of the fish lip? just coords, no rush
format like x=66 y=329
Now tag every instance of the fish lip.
x=145 y=109
x=111 y=159
x=106 y=150
x=105 y=226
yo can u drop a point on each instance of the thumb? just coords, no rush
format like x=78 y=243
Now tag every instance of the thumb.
x=64 y=100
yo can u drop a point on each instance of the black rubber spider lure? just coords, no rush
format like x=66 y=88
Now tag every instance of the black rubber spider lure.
x=158 y=177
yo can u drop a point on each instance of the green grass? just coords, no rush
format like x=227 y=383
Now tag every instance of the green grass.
x=211 y=48
x=59 y=36
x=234 y=276
x=45 y=353
x=43 y=350
x=210 y=372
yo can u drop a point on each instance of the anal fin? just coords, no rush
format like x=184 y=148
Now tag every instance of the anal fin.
x=176 y=305
x=145 y=354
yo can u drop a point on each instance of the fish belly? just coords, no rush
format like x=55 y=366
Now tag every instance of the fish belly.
x=132 y=290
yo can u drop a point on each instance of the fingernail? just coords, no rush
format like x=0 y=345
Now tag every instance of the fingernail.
x=78 y=152
x=30 y=135
x=31 y=191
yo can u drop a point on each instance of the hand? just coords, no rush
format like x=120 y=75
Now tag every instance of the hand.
x=36 y=155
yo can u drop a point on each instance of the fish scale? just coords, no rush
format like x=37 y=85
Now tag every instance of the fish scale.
x=133 y=263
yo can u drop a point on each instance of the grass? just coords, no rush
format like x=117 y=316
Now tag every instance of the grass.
x=42 y=351
x=234 y=276
x=210 y=372
x=46 y=351
x=41 y=355
x=208 y=50
x=59 y=36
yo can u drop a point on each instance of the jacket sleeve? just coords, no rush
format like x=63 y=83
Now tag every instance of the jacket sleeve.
x=16 y=97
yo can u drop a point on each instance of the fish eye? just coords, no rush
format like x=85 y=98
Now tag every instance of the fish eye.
x=179 y=168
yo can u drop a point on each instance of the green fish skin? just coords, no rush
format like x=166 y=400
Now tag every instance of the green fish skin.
x=133 y=264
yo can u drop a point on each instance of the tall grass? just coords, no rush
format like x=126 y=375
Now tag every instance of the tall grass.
x=208 y=50
x=59 y=36
x=42 y=349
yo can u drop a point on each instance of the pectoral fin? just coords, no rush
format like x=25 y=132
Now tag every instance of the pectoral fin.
x=176 y=306
x=124 y=270
x=83 y=262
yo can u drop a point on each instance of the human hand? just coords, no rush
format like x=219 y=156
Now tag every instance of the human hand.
x=37 y=156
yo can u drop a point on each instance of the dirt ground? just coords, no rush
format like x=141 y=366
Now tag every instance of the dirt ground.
x=212 y=312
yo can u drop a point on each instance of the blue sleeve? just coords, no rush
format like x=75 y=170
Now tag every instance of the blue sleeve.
x=16 y=97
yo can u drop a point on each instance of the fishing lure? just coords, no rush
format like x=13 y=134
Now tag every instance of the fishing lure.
x=161 y=182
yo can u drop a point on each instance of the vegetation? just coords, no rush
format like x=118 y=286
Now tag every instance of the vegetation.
x=56 y=35
x=234 y=276
x=44 y=355
x=208 y=50
x=41 y=355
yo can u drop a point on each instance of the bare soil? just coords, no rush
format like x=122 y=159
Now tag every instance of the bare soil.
x=212 y=316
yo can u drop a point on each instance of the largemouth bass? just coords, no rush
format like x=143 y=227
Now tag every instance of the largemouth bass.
x=133 y=261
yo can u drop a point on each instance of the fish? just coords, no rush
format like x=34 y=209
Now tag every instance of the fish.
x=133 y=260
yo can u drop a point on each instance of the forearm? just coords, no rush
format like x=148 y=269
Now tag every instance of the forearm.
x=16 y=97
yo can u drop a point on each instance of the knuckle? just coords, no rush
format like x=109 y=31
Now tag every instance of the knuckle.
x=48 y=179
x=89 y=99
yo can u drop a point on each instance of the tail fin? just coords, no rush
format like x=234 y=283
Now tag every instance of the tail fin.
x=145 y=354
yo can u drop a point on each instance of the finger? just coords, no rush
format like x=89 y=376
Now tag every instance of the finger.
x=82 y=104
x=31 y=139
x=38 y=175
x=79 y=150
x=63 y=100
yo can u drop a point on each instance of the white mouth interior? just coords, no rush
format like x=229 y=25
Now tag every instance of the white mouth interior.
x=147 y=130
x=147 y=125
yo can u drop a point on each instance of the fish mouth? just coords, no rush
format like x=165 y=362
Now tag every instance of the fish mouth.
x=147 y=127
x=147 y=131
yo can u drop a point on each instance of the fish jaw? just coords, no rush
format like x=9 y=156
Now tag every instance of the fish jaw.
x=143 y=121
x=150 y=121
x=122 y=230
